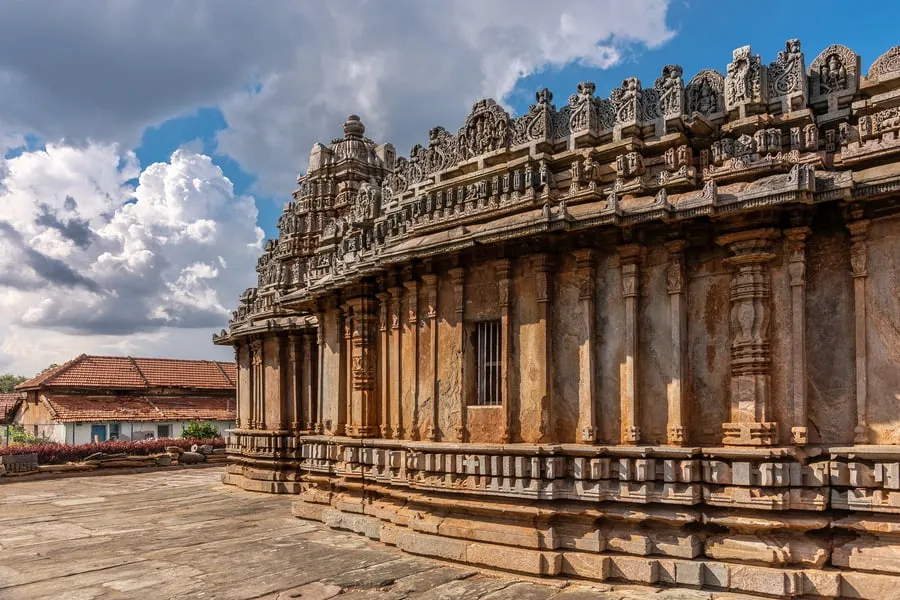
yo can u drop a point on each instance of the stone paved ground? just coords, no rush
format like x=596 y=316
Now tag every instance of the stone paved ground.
x=182 y=534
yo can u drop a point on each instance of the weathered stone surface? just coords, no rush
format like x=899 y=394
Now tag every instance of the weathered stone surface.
x=652 y=338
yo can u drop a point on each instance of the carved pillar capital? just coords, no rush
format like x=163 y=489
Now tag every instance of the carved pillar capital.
x=859 y=233
x=795 y=244
x=412 y=293
x=429 y=285
x=503 y=270
x=458 y=276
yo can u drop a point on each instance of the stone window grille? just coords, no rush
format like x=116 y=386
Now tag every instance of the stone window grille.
x=487 y=362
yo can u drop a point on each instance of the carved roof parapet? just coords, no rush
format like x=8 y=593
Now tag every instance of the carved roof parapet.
x=761 y=134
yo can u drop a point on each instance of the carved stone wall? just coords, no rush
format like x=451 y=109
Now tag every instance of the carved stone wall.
x=695 y=288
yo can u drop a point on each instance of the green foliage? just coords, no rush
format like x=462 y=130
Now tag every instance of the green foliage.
x=196 y=429
x=52 y=366
x=8 y=382
x=17 y=435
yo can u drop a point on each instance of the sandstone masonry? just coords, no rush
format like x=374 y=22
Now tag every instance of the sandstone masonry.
x=651 y=337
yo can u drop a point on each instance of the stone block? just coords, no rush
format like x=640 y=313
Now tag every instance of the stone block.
x=869 y=586
x=633 y=568
x=761 y=580
x=629 y=542
x=689 y=573
x=868 y=553
x=390 y=533
x=821 y=583
x=741 y=473
x=306 y=510
x=432 y=545
x=716 y=575
x=677 y=545
x=534 y=562
x=495 y=532
x=589 y=566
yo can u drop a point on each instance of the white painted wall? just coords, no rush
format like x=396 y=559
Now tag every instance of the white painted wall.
x=80 y=433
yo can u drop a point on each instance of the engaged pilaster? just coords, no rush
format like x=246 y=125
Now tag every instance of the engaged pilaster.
x=257 y=382
x=796 y=248
x=412 y=349
x=502 y=270
x=397 y=362
x=429 y=282
x=587 y=390
x=543 y=266
x=363 y=352
x=631 y=256
x=675 y=396
x=859 y=232
x=458 y=276
x=384 y=327
x=751 y=423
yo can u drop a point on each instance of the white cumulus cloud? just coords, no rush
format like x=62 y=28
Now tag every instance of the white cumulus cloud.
x=86 y=255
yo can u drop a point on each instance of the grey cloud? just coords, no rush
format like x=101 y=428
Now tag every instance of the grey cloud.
x=78 y=231
x=51 y=271
x=105 y=69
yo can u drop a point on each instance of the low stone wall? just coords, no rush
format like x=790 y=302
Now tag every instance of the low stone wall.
x=25 y=466
x=776 y=521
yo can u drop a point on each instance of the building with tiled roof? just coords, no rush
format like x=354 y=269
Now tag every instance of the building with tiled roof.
x=9 y=402
x=102 y=397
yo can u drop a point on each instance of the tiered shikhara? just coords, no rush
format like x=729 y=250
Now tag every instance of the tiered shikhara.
x=698 y=295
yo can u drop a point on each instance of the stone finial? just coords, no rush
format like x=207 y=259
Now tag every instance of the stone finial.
x=353 y=127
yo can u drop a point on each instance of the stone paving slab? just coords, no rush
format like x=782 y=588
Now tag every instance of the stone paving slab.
x=184 y=535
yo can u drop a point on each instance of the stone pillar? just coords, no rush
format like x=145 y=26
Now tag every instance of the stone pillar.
x=430 y=288
x=308 y=377
x=502 y=270
x=796 y=250
x=257 y=414
x=543 y=267
x=363 y=352
x=587 y=389
x=458 y=275
x=412 y=347
x=345 y=325
x=285 y=374
x=384 y=353
x=396 y=386
x=295 y=369
x=751 y=411
x=859 y=231
x=244 y=389
x=631 y=256
x=319 y=426
x=678 y=318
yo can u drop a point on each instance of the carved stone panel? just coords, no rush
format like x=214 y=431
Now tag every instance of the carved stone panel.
x=746 y=84
x=834 y=78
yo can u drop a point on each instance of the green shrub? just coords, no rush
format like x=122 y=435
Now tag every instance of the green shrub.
x=16 y=434
x=199 y=430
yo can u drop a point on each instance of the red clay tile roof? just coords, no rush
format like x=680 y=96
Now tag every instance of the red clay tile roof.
x=65 y=409
x=8 y=404
x=125 y=372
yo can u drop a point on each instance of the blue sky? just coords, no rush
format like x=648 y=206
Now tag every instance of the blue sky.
x=705 y=33
x=123 y=245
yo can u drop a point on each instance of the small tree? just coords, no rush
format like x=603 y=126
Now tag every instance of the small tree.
x=8 y=382
x=200 y=431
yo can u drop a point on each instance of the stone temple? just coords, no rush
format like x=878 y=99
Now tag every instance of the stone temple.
x=651 y=338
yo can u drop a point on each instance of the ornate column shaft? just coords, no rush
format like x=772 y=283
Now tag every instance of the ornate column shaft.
x=319 y=426
x=308 y=376
x=362 y=410
x=244 y=387
x=502 y=269
x=396 y=386
x=458 y=275
x=675 y=396
x=796 y=248
x=412 y=294
x=751 y=357
x=257 y=416
x=384 y=350
x=587 y=390
x=430 y=287
x=345 y=324
x=543 y=266
x=631 y=256
x=859 y=231
x=294 y=383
